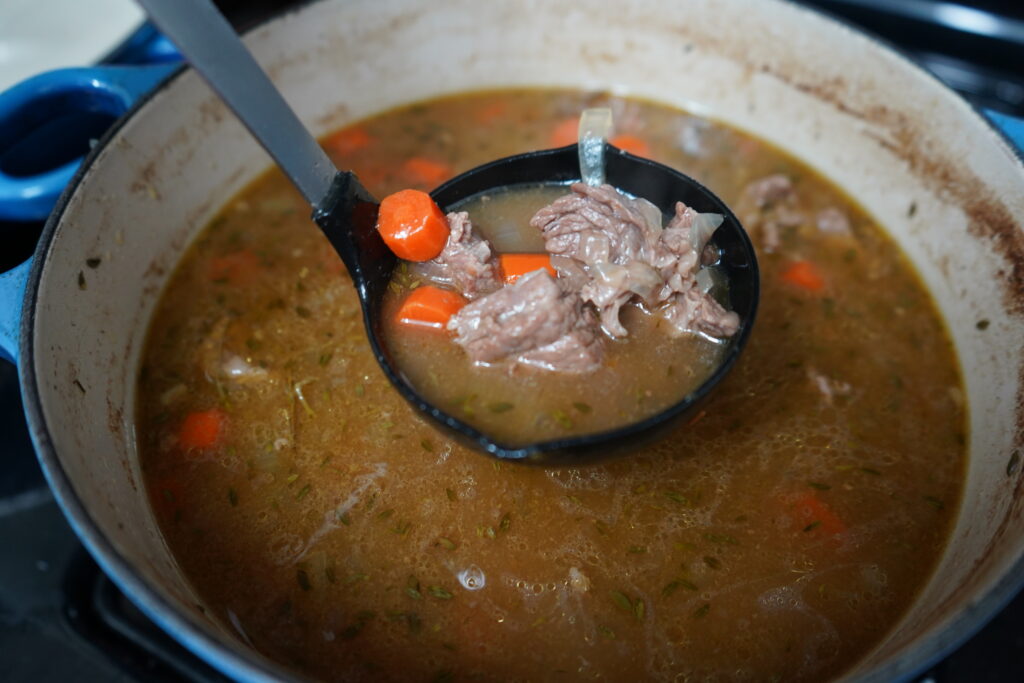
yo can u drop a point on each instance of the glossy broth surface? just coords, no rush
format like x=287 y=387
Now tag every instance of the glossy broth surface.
x=779 y=536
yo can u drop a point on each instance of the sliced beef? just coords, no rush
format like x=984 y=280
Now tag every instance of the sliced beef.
x=467 y=263
x=534 y=321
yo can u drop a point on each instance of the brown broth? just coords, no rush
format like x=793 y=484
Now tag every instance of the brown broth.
x=778 y=537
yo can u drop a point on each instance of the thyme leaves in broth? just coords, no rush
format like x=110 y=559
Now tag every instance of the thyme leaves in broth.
x=779 y=535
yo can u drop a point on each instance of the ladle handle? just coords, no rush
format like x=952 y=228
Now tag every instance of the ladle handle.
x=213 y=48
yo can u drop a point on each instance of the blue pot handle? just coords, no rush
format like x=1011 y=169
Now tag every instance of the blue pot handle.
x=12 y=293
x=1012 y=127
x=145 y=46
x=109 y=90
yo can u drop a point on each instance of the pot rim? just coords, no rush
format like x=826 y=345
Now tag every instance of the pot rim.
x=142 y=593
x=196 y=636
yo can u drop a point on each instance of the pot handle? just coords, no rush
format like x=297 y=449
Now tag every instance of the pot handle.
x=39 y=118
x=1011 y=127
x=12 y=294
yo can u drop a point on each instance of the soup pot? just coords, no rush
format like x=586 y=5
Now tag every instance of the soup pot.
x=934 y=172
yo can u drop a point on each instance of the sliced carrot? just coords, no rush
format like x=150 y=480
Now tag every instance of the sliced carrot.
x=349 y=140
x=412 y=225
x=426 y=173
x=514 y=266
x=805 y=275
x=237 y=268
x=430 y=307
x=201 y=429
x=490 y=113
x=565 y=133
x=813 y=513
x=632 y=144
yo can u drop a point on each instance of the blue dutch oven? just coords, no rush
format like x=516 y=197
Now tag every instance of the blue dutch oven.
x=945 y=179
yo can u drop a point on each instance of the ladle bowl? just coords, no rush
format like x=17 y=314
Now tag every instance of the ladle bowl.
x=349 y=223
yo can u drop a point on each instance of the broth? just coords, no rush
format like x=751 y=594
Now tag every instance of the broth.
x=779 y=536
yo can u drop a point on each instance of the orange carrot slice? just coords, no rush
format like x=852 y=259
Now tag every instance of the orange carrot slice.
x=514 y=266
x=490 y=113
x=349 y=140
x=813 y=513
x=412 y=225
x=430 y=307
x=565 y=133
x=805 y=275
x=632 y=144
x=426 y=172
x=202 y=429
x=237 y=268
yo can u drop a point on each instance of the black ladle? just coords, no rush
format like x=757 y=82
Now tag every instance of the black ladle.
x=347 y=214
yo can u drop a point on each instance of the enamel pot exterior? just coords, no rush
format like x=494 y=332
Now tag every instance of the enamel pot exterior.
x=920 y=160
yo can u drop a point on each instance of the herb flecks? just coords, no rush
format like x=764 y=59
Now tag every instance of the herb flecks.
x=357 y=626
x=675 y=585
x=635 y=607
x=439 y=593
x=561 y=418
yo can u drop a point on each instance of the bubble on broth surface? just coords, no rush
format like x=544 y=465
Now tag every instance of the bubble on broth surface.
x=472 y=578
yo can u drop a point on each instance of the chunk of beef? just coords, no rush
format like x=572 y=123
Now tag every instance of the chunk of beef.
x=598 y=225
x=678 y=251
x=612 y=286
x=695 y=311
x=770 y=190
x=832 y=221
x=533 y=321
x=613 y=250
x=577 y=352
x=467 y=263
x=766 y=208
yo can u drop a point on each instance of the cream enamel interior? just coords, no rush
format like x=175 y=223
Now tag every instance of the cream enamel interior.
x=859 y=114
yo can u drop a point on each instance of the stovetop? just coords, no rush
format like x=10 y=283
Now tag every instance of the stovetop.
x=62 y=619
